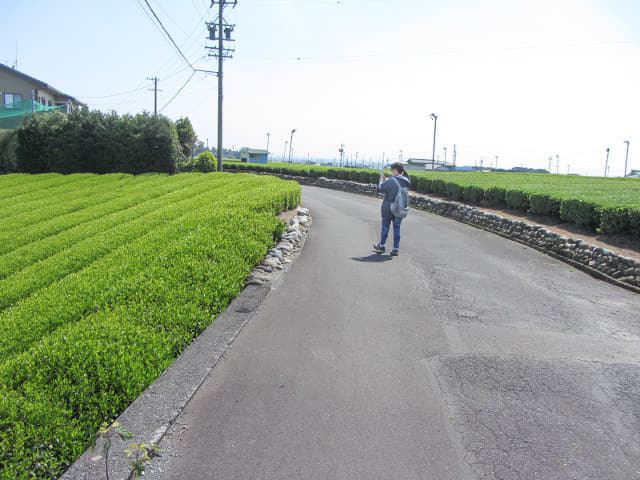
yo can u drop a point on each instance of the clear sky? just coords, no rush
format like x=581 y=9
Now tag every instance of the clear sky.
x=520 y=80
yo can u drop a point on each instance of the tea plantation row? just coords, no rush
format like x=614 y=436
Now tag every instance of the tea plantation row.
x=101 y=289
x=606 y=205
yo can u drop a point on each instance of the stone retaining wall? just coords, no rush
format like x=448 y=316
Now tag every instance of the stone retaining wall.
x=599 y=262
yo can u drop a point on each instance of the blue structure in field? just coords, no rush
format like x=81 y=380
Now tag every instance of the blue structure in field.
x=252 y=155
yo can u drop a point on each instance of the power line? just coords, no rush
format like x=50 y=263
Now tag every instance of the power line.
x=178 y=92
x=168 y=35
x=175 y=45
x=115 y=94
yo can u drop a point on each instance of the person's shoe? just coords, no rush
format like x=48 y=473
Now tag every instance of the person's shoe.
x=394 y=252
x=378 y=248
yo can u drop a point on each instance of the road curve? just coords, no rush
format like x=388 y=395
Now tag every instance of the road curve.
x=468 y=356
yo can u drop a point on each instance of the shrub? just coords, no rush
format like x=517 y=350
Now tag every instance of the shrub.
x=540 y=204
x=317 y=173
x=333 y=173
x=438 y=187
x=186 y=136
x=634 y=223
x=453 y=191
x=494 y=196
x=8 y=146
x=615 y=220
x=353 y=175
x=205 y=163
x=580 y=212
x=95 y=142
x=472 y=194
x=423 y=185
x=517 y=199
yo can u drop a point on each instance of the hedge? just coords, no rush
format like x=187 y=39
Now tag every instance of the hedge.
x=605 y=205
x=95 y=142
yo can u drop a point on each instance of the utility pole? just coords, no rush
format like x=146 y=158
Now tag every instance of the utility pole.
x=454 y=156
x=341 y=154
x=268 y=135
x=434 y=117
x=445 y=155
x=221 y=31
x=291 y=143
x=606 y=163
x=155 y=95
x=626 y=158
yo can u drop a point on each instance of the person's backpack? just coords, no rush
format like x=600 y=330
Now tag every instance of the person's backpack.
x=400 y=205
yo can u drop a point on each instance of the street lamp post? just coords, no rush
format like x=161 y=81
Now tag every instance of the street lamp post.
x=626 y=158
x=606 y=163
x=291 y=143
x=434 y=117
x=268 y=135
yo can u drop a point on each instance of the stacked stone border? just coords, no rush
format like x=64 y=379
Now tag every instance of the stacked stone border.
x=596 y=261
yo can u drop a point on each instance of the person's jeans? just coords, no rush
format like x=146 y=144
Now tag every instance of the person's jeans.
x=386 y=223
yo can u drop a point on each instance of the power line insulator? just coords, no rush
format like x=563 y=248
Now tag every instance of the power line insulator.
x=212 y=31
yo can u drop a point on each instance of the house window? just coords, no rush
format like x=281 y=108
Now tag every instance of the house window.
x=10 y=98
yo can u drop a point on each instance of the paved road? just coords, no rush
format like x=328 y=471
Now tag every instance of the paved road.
x=468 y=356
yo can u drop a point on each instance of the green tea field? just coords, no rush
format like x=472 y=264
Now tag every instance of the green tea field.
x=604 y=205
x=104 y=280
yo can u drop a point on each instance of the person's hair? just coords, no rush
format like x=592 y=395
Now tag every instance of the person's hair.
x=399 y=168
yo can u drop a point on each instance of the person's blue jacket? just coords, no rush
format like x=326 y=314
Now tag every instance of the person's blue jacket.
x=390 y=189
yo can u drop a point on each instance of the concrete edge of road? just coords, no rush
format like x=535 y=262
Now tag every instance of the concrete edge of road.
x=149 y=417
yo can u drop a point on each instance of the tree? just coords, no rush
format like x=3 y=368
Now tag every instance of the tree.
x=186 y=136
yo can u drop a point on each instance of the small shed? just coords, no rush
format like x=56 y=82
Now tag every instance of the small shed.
x=253 y=155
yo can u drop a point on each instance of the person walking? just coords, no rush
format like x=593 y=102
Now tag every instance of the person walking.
x=389 y=186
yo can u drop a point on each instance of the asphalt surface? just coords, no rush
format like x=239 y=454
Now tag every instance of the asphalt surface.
x=468 y=356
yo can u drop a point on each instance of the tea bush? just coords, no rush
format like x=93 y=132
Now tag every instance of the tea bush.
x=92 y=313
x=606 y=205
